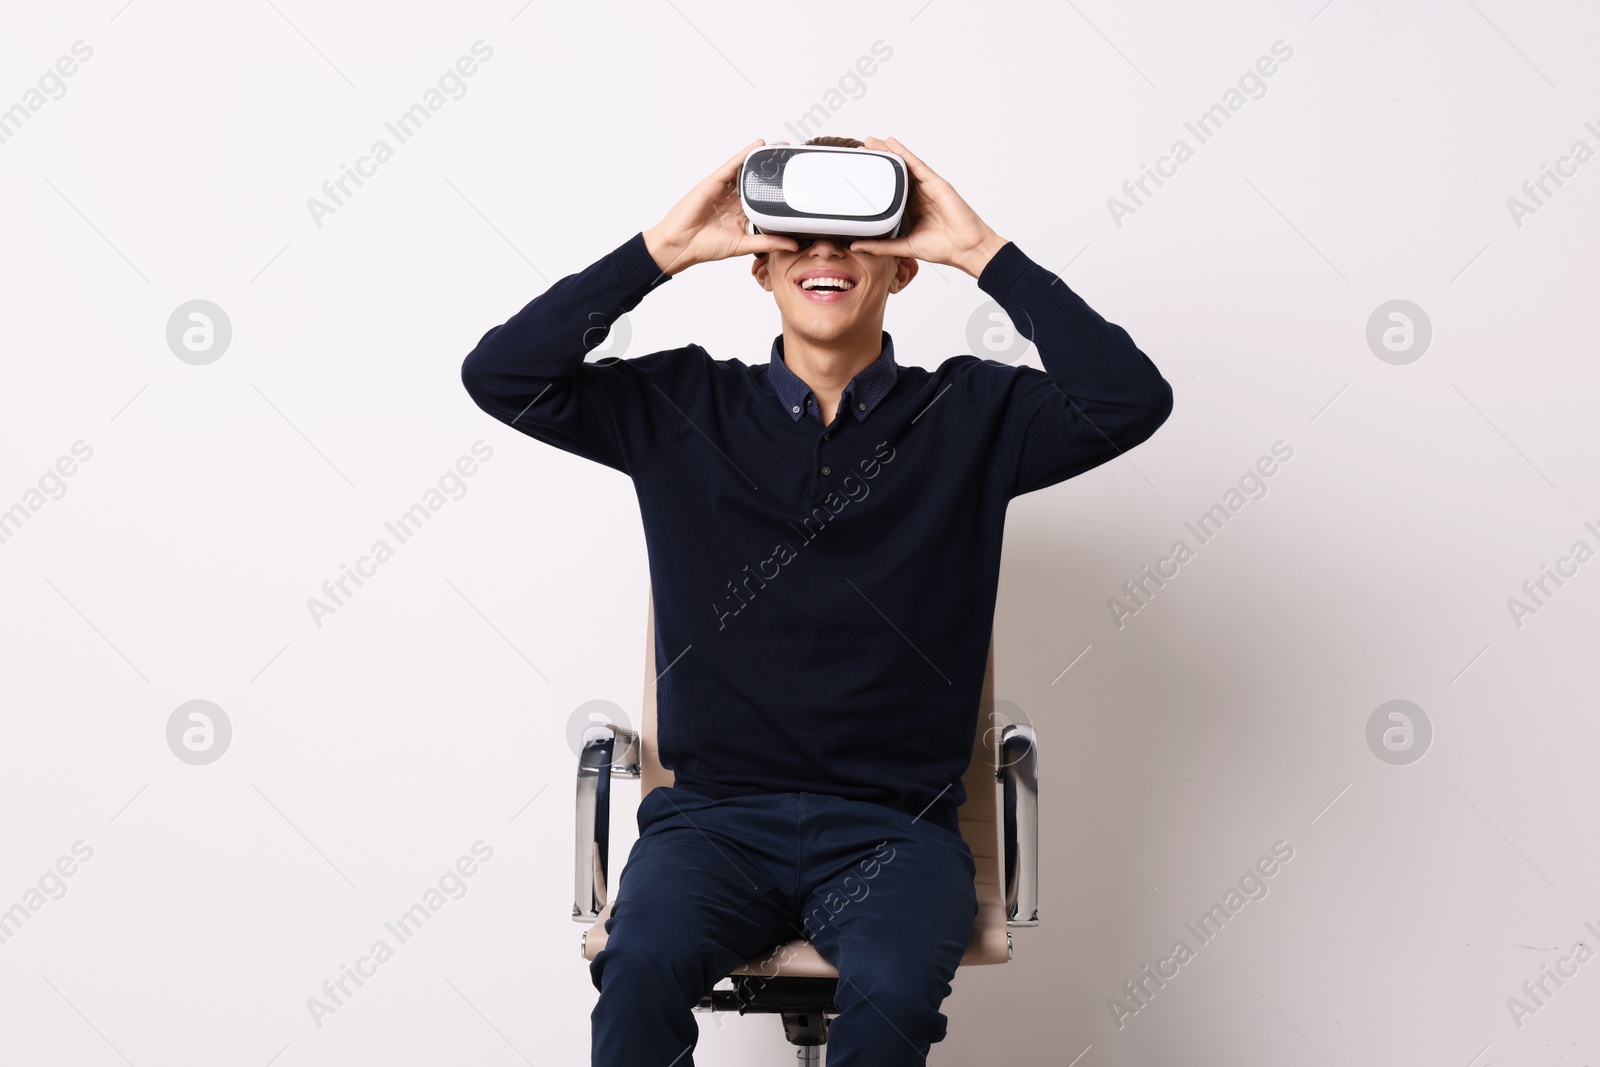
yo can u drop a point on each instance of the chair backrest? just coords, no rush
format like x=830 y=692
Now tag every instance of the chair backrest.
x=980 y=814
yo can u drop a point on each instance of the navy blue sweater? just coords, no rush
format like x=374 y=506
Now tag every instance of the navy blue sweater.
x=824 y=595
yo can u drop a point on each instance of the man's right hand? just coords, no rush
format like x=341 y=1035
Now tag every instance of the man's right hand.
x=710 y=224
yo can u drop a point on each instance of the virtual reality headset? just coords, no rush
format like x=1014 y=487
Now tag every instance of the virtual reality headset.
x=811 y=191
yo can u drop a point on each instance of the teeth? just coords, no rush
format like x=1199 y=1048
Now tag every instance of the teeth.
x=841 y=284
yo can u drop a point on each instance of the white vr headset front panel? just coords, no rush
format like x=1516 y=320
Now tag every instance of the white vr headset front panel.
x=820 y=189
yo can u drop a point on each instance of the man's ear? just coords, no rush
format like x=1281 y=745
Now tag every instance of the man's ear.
x=904 y=271
x=759 y=271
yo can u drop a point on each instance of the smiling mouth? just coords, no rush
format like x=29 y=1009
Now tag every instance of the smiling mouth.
x=826 y=290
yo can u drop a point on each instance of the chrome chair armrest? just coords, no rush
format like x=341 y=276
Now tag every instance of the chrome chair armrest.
x=607 y=750
x=1019 y=778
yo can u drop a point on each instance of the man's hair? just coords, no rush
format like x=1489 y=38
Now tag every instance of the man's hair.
x=837 y=142
x=827 y=142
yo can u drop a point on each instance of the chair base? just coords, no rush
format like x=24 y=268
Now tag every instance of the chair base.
x=803 y=1003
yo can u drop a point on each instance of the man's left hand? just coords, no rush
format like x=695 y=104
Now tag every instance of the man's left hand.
x=944 y=229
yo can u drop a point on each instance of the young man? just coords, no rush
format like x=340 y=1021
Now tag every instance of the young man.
x=824 y=534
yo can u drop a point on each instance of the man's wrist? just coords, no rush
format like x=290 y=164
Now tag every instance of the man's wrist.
x=974 y=261
x=668 y=256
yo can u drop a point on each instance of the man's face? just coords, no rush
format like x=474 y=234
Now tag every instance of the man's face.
x=826 y=292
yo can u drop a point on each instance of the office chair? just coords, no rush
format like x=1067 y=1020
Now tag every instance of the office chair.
x=999 y=821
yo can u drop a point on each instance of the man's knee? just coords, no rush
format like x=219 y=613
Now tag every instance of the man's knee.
x=658 y=943
x=904 y=990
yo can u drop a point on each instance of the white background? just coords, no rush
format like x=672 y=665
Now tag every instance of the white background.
x=371 y=752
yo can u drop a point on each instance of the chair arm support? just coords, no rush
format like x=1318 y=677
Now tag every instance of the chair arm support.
x=607 y=749
x=1019 y=777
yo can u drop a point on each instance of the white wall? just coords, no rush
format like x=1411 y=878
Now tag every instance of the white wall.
x=1231 y=712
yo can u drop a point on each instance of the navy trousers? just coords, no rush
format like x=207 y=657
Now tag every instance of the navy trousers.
x=885 y=897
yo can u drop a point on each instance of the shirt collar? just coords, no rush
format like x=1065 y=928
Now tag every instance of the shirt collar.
x=870 y=385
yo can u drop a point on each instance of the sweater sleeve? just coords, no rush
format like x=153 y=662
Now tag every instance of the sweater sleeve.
x=529 y=372
x=1098 y=395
